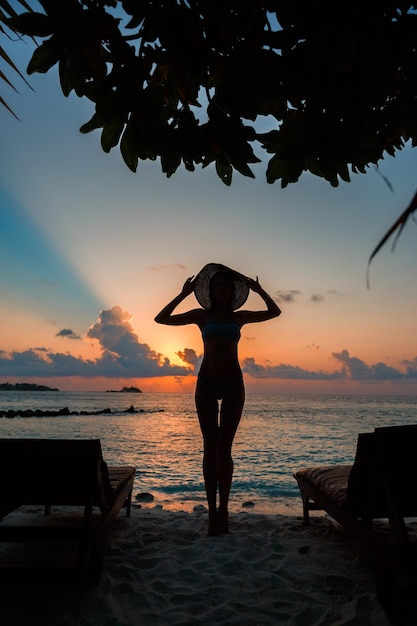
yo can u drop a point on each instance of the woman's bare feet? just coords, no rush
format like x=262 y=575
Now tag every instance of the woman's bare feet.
x=223 y=520
x=213 y=526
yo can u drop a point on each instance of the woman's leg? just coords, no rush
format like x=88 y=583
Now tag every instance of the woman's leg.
x=230 y=414
x=207 y=411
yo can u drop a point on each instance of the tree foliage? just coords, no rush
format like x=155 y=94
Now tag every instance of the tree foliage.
x=317 y=86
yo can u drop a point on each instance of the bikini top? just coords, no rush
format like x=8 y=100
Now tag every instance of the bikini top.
x=216 y=330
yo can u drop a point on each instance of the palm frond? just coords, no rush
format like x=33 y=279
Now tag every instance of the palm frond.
x=397 y=228
x=6 y=10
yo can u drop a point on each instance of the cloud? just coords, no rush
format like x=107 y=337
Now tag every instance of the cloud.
x=312 y=346
x=357 y=369
x=115 y=333
x=287 y=296
x=159 y=268
x=411 y=367
x=289 y=372
x=123 y=356
x=316 y=297
x=352 y=368
x=67 y=332
x=291 y=296
x=190 y=357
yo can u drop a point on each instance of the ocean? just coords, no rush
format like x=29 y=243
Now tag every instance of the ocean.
x=278 y=434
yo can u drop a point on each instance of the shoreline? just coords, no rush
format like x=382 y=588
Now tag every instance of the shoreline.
x=256 y=505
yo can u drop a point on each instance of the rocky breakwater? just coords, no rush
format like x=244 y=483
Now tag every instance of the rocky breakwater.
x=10 y=413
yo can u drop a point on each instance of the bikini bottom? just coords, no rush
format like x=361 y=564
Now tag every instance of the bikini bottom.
x=222 y=389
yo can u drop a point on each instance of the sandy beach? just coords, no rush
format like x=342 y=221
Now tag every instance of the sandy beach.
x=161 y=568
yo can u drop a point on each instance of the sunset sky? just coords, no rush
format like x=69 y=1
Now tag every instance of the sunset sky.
x=90 y=252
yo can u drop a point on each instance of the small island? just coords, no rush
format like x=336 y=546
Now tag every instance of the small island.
x=125 y=390
x=25 y=387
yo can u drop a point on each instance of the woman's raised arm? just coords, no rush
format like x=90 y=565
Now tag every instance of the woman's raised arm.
x=272 y=309
x=165 y=316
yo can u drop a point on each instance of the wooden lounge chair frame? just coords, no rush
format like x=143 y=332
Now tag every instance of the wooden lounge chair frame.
x=58 y=473
x=380 y=485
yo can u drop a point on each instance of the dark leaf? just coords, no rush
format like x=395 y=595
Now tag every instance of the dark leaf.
x=276 y=169
x=111 y=133
x=65 y=76
x=128 y=148
x=312 y=165
x=42 y=60
x=294 y=169
x=97 y=121
x=329 y=169
x=170 y=161
x=241 y=166
x=343 y=172
x=224 y=172
x=271 y=141
x=32 y=24
x=73 y=71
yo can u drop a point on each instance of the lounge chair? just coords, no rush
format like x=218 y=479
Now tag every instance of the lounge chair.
x=56 y=473
x=372 y=499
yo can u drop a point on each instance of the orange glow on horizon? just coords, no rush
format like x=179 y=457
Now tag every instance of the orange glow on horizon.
x=186 y=385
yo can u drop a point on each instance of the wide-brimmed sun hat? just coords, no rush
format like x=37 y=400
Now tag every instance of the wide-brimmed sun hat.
x=202 y=285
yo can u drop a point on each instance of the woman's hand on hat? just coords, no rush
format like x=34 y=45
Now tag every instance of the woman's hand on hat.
x=188 y=286
x=254 y=284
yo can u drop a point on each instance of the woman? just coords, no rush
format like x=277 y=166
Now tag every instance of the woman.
x=220 y=291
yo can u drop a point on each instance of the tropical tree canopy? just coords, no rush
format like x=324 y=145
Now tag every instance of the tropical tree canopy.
x=318 y=86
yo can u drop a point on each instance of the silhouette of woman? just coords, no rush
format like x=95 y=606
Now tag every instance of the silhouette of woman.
x=220 y=291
